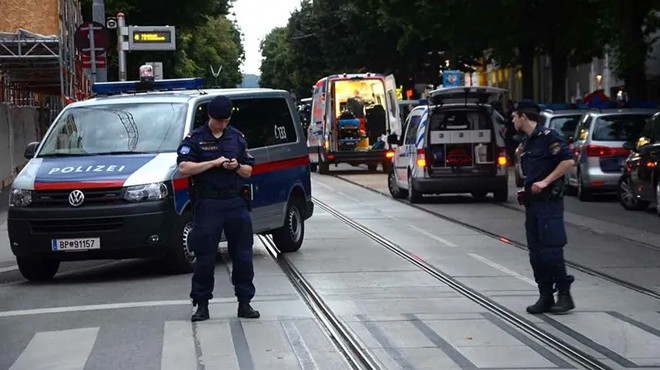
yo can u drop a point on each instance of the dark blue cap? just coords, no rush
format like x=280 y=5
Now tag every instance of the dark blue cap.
x=527 y=104
x=220 y=107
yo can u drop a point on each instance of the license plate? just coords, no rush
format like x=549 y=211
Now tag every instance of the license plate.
x=82 y=244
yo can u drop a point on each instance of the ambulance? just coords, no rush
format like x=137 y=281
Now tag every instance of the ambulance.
x=103 y=183
x=352 y=116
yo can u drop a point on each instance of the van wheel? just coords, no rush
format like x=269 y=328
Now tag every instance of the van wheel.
x=37 y=268
x=479 y=195
x=289 y=237
x=324 y=168
x=501 y=195
x=395 y=190
x=372 y=167
x=180 y=258
x=313 y=167
x=387 y=166
x=414 y=196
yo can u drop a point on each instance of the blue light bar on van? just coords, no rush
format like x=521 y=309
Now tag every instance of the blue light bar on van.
x=141 y=86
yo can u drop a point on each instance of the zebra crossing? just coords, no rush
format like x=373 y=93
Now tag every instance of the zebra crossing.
x=215 y=344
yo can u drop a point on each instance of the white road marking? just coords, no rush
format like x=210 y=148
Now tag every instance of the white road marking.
x=443 y=241
x=299 y=346
x=57 y=350
x=349 y=197
x=502 y=268
x=178 y=346
x=109 y=306
x=7 y=269
x=322 y=185
x=217 y=345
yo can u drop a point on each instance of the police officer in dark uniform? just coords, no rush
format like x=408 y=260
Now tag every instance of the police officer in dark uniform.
x=545 y=160
x=216 y=157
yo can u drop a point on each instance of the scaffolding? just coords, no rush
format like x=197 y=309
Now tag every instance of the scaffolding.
x=43 y=70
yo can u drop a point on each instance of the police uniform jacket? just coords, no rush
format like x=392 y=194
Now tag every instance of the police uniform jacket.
x=543 y=150
x=201 y=146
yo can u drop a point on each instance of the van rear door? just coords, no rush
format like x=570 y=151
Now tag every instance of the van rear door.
x=393 y=106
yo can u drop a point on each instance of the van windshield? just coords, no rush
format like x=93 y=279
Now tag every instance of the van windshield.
x=117 y=129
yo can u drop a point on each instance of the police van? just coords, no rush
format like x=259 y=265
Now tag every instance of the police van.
x=454 y=144
x=103 y=182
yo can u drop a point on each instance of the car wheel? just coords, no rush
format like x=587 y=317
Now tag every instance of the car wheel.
x=627 y=196
x=37 y=268
x=324 y=168
x=387 y=166
x=372 y=167
x=583 y=193
x=479 y=195
x=414 y=196
x=313 y=167
x=395 y=190
x=289 y=237
x=568 y=189
x=180 y=257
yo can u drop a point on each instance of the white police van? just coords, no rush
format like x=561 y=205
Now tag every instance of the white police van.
x=454 y=144
x=103 y=183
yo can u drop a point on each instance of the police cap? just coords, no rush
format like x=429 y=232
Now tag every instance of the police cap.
x=527 y=105
x=220 y=107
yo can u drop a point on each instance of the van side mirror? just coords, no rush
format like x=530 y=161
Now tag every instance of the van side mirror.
x=392 y=139
x=629 y=145
x=30 y=149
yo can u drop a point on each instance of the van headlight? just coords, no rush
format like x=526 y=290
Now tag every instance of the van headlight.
x=20 y=197
x=140 y=193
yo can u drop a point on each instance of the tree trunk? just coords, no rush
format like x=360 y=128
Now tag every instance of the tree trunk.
x=633 y=48
x=527 y=65
x=559 y=66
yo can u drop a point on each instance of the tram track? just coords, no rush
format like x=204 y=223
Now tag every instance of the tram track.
x=339 y=333
x=517 y=244
x=569 y=351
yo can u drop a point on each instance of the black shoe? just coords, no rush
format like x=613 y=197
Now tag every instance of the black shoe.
x=202 y=312
x=246 y=311
x=564 y=304
x=544 y=303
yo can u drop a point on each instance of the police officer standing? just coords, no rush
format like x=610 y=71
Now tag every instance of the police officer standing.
x=545 y=160
x=217 y=158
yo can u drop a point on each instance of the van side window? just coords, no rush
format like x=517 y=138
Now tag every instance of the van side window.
x=411 y=131
x=264 y=121
x=201 y=117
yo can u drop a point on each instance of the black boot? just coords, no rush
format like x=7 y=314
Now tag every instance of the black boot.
x=202 y=312
x=564 y=300
x=246 y=311
x=544 y=303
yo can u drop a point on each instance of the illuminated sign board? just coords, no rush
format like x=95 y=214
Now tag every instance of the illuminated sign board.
x=151 y=38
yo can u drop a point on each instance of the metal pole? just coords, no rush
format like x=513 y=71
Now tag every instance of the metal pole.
x=98 y=15
x=120 y=46
x=92 y=53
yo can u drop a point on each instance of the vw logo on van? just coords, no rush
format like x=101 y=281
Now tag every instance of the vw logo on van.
x=76 y=198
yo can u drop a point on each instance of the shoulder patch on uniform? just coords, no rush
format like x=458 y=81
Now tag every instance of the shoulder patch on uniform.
x=546 y=131
x=555 y=148
x=184 y=150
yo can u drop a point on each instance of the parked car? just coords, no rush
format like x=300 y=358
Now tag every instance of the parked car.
x=563 y=121
x=638 y=186
x=599 y=151
x=453 y=145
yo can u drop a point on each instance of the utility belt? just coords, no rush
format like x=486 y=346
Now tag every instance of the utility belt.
x=553 y=191
x=244 y=192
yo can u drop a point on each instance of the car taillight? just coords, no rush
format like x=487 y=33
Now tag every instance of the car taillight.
x=502 y=159
x=389 y=154
x=604 y=151
x=421 y=158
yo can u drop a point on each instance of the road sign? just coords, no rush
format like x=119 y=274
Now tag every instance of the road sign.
x=101 y=37
x=87 y=61
x=151 y=38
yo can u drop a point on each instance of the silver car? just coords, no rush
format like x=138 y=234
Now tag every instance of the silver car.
x=599 y=152
x=563 y=121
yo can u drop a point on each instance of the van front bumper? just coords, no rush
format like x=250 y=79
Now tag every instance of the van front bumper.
x=133 y=230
